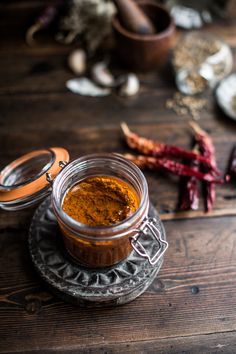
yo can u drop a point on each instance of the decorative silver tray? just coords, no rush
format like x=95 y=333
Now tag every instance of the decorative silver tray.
x=83 y=286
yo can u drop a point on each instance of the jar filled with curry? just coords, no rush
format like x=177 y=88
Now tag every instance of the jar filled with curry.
x=101 y=202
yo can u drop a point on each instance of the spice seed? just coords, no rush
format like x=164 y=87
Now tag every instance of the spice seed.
x=234 y=103
x=186 y=105
x=186 y=55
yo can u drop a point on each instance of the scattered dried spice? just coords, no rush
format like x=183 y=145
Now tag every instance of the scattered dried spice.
x=157 y=149
x=200 y=61
x=195 y=82
x=234 y=103
x=193 y=50
x=220 y=69
x=187 y=105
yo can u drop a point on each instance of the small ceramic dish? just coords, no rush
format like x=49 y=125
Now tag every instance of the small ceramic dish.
x=225 y=92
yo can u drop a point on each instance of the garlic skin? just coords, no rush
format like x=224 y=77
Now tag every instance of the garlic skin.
x=130 y=87
x=85 y=87
x=77 y=61
x=101 y=75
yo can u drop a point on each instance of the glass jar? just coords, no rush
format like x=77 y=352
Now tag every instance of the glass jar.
x=24 y=182
x=200 y=61
x=33 y=176
x=104 y=246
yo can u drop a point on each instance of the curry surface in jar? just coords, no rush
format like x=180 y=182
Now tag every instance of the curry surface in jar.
x=100 y=201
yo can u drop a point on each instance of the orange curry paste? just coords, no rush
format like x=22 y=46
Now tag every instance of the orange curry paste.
x=100 y=201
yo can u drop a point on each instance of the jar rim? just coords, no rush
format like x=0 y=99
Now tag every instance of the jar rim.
x=25 y=159
x=28 y=191
x=115 y=230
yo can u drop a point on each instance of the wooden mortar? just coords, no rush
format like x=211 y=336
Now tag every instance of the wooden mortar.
x=150 y=51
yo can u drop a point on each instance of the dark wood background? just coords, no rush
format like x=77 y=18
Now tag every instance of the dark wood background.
x=191 y=305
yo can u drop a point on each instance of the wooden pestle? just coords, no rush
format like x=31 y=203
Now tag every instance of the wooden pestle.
x=133 y=18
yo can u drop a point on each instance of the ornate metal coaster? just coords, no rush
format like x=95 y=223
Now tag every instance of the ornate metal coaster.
x=83 y=286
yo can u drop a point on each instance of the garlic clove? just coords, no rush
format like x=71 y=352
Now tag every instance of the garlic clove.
x=131 y=86
x=102 y=75
x=77 y=61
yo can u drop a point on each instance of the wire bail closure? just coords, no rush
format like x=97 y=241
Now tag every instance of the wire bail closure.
x=149 y=224
x=49 y=177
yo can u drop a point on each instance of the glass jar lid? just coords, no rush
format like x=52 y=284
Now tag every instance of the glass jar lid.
x=24 y=181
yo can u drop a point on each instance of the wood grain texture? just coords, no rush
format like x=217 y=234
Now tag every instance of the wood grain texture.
x=190 y=307
x=204 y=344
x=193 y=294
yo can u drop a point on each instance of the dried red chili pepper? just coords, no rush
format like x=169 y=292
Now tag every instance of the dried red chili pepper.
x=232 y=163
x=46 y=17
x=175 y=167
x=189 y=189
x=156 y=149
x=208 y=151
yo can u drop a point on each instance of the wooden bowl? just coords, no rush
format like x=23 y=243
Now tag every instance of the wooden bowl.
x=145 y=52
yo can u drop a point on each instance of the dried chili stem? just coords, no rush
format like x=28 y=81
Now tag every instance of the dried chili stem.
x=174 y=167
x=156 y=149
x=31 y=32
x=44 y=20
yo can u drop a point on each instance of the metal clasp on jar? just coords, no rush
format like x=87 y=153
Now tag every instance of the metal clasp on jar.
x=49 y=177
x=149 y=226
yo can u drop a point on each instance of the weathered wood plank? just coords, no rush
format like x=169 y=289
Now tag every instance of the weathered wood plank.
x=40 y=73
x=81 y=140
x=17 y=16
x=204 y=344
x=190 y=306
x=193 y=294
x=74 y=111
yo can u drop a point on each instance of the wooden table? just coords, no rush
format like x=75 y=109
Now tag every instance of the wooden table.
x=191 y=305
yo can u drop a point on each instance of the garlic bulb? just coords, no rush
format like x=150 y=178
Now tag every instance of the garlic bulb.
x=101 y=75
x=131 y=86
x=77 y=61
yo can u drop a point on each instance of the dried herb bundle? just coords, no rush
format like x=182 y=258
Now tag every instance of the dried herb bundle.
x=88 y=20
